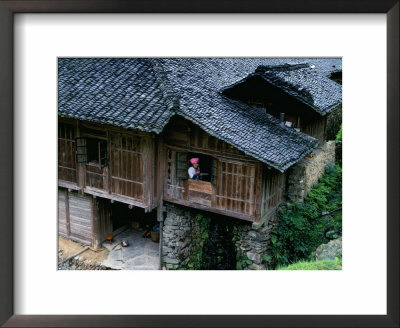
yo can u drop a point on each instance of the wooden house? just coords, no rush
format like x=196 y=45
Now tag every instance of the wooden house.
x=127 y=128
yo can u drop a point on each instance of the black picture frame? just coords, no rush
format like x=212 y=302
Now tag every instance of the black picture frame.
x=10 y=7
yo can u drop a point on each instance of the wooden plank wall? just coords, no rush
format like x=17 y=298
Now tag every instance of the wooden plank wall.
x=66 y=153
x=129 y=172
x=96 y=176
x=75 y=218
x=182 y=133
x=235 y=187
x=80 y=212
x=273 y=191
x=316 y=129
x=106 y=228
x=126 y=156
x=63 y=230
x=174 y=186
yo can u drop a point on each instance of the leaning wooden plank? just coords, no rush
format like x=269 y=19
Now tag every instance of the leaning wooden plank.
x=76 y=254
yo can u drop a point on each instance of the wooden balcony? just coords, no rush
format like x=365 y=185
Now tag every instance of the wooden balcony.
x=197 y=191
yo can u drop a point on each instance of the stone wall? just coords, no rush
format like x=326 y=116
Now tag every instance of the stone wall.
x=177 y=237
x=303 y=176
x=180 y=240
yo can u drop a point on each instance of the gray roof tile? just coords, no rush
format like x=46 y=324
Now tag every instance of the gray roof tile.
x=140 y=93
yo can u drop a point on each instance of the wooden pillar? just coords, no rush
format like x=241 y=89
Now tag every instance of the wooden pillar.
x=160 y=219
x=67 y=218
x=258 y=191
x=96 y=233
x=80 y=168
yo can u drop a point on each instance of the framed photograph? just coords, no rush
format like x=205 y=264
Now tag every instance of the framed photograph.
x=56 y=52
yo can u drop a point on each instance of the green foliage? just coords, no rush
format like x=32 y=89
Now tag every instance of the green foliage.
x=303 y=226
x=314 y=265
x=196 y=257
x=339 y=135
x=242 y=261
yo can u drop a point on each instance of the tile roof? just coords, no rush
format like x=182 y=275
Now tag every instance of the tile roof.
x=117 y=91
x=144 y=93
x=304 y=83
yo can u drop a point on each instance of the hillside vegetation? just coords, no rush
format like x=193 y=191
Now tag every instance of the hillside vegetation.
x=304 y=226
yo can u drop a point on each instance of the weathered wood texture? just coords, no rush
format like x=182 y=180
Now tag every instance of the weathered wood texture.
x=273 y=191
x=62 y=213
x=126 y=157
x=106 y=228
x=197 y=191
x=80 y=211
x=130 y=165
x=66 y=153
x=232 y=189
x=142 y=170
x=75 y=216
x=182 y=133
x=315 y=128
x=235 y=187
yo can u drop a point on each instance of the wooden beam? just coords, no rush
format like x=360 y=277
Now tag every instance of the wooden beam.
x=236 y=215
x=68 y=185
x=115 y=197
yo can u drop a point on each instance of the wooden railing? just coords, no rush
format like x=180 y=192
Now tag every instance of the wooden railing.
x=197 y=191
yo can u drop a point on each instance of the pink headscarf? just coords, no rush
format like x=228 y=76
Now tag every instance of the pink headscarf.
x=194 y=160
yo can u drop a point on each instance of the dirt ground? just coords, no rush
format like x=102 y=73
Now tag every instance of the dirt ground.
x=67 y=248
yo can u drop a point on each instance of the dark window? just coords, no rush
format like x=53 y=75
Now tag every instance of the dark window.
x=208 y=166
x=182 y=166
x=91 y=150
x=337 y=77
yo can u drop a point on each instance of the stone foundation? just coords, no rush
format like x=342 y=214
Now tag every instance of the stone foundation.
x=305 y=174
x=180 y=240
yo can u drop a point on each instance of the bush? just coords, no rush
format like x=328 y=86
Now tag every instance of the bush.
x=339 y=135
x=303 y=226
x=314 y=265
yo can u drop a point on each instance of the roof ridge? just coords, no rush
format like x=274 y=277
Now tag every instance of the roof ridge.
x=283 y=67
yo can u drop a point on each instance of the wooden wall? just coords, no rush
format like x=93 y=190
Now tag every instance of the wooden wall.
x=315 y=128
x=142 y=171
x=273 y=191
x=236 y=190
x=126 y=162
x=75 y=216
x=63 y=225
x=129 y=172
x=66 y=153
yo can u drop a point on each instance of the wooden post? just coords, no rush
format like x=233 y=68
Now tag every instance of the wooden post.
x=67 y=218
x=109 y=157
x=258 y=191
x=160 y=215
x=80 y=168
x=96 y=233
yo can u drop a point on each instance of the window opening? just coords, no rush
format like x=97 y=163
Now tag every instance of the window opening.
x=91 y=151
x=182 y=165
x=205 y=166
